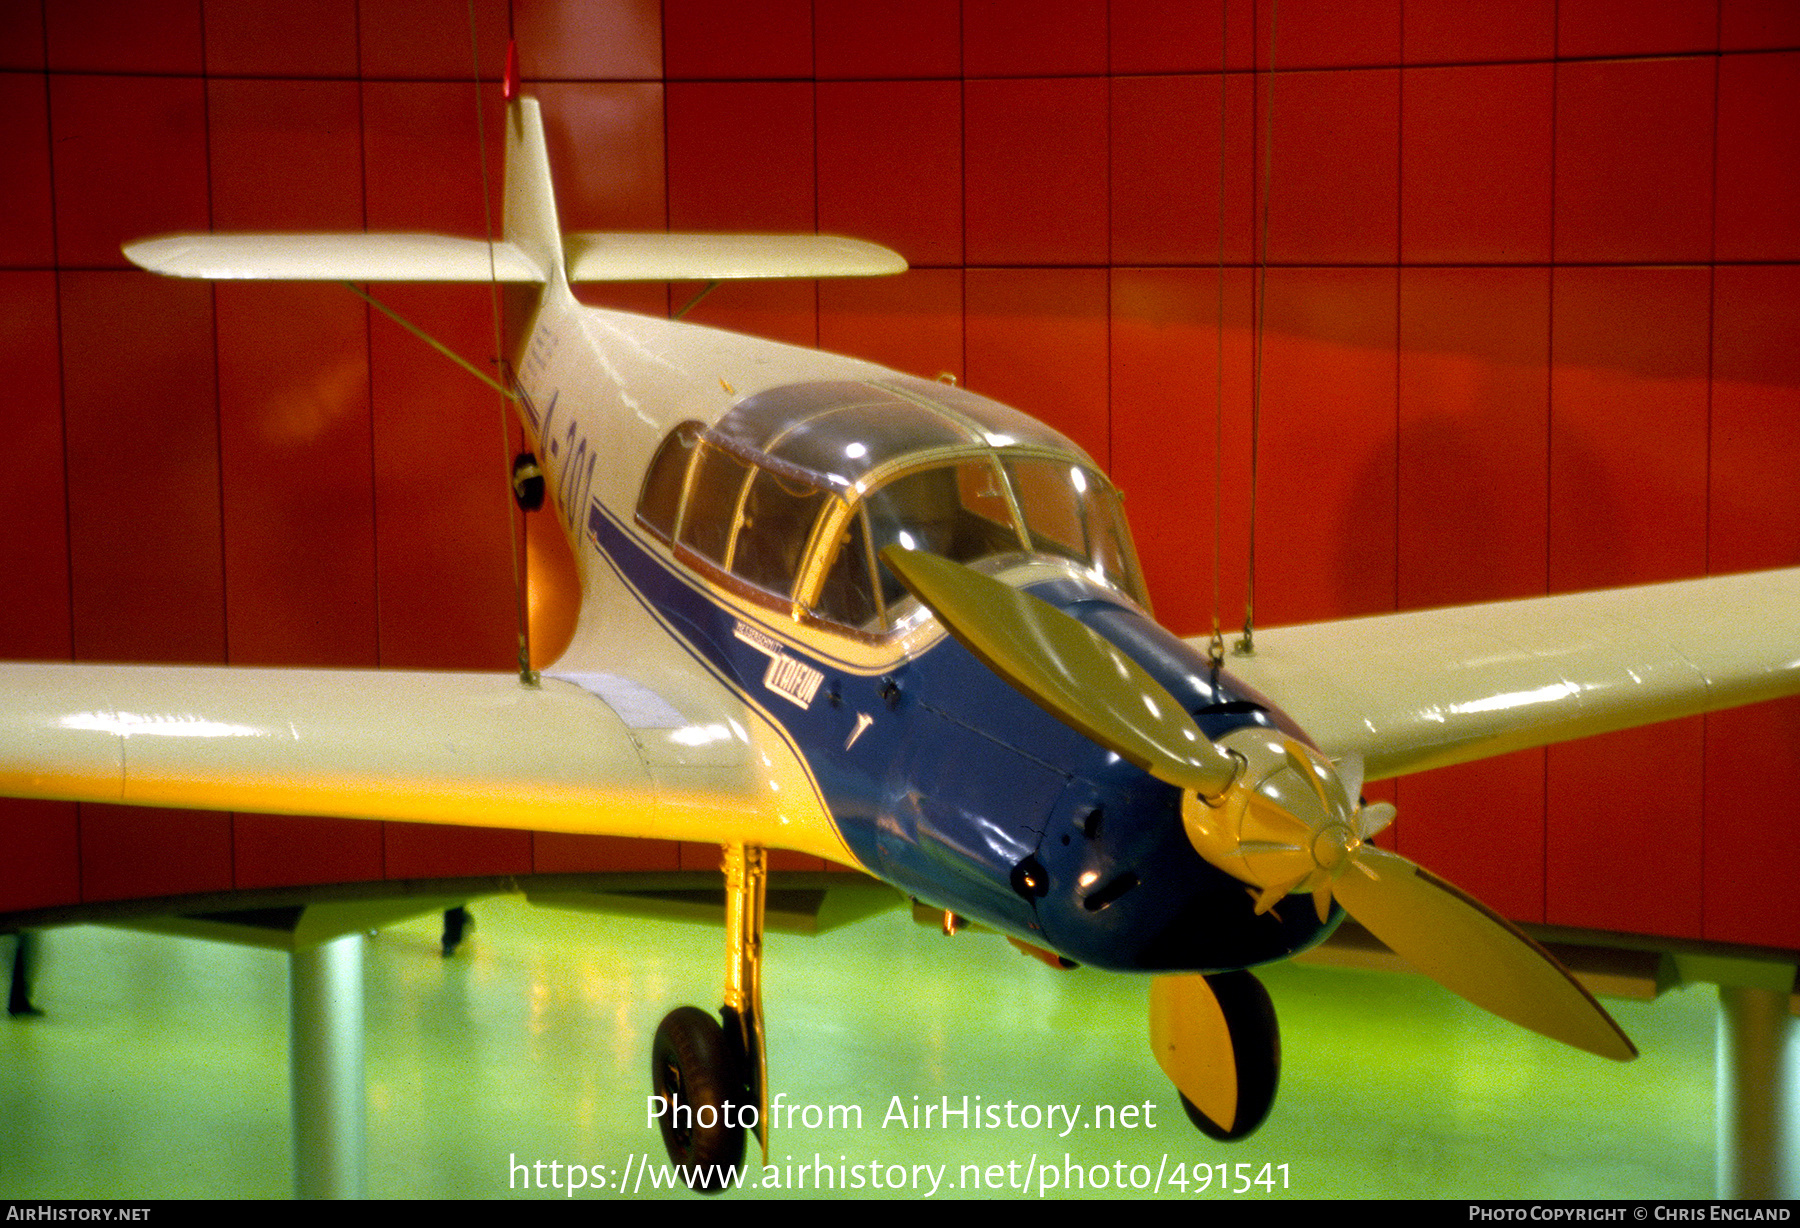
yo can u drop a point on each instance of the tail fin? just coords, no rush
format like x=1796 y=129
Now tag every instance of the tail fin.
x=530 y=206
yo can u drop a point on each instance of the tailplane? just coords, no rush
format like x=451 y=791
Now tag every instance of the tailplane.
x=532 y=249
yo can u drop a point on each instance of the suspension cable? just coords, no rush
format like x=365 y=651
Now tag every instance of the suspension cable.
x=1246 y=646
x=514 y=525
x=1215 y=650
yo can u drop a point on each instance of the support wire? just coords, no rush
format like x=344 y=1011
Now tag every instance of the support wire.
x=1246 y=646
x=514 y=527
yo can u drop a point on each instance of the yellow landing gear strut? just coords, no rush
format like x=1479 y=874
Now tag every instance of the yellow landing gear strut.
x=711 y=1081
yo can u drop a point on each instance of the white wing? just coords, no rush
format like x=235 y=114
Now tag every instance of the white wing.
x=598 y=753
x=1431 y=688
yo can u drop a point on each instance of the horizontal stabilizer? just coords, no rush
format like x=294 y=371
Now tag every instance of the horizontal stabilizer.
x=333 y=257
x=596 y=256
x=591 y=256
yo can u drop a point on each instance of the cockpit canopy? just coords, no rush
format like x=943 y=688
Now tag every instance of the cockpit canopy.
x=794 y=493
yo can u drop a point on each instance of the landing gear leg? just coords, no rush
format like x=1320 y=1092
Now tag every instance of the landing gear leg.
x=712 y=1081
x=746 y=891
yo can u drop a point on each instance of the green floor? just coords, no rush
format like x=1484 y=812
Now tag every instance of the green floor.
x=160 y=1070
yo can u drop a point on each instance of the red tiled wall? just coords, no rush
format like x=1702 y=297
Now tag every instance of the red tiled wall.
x=1529 y=327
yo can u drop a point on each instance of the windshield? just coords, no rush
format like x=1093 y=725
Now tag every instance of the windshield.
x=991 y=507
x=795 y=492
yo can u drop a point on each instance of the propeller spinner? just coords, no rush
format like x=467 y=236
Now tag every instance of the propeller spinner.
x=1293 y=822
x=1263 y=807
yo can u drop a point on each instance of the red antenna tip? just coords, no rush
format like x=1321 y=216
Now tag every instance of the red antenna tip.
x=509 y=88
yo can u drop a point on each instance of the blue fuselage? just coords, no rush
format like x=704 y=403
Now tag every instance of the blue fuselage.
x=947 y=782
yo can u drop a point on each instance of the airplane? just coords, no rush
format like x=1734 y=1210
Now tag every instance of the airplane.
x=831 y=608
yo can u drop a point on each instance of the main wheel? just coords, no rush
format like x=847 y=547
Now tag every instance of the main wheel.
x=696 y=1075
x=527 y=482
x=1255 y=1050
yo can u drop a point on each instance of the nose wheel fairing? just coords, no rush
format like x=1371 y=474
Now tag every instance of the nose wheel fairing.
x=1217 y=1039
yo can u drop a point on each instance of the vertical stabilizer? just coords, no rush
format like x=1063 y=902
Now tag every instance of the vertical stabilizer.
x=530 y=207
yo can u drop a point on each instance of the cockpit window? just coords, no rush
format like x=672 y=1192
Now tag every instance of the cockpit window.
x=1050 y=494
x=797 y=490
x=711 y=507
x=959 y=511
x=1110 y=540
x=779 y=514
x=847 y=594
x=668 y=474
x=1070 y=511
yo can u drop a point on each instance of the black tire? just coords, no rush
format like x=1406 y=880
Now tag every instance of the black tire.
x=694 y=1072
x=1256 y=1048
x=527 y=482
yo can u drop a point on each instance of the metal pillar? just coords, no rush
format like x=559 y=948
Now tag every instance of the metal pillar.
x=1757 y=1081
x=325 y=1060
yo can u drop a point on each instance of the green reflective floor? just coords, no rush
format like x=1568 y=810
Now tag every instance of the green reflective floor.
x=160 y=1070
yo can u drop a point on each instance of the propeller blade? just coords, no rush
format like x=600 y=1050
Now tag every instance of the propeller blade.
x=1246 y=848
x=1458 y=942
x=1318 y=774
x=1273 y=895
x=1071 y=672
x=1321 y=898
x=1350 y=773
x=1373 y=819
x=1217 y=1040
x=1083 y=680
